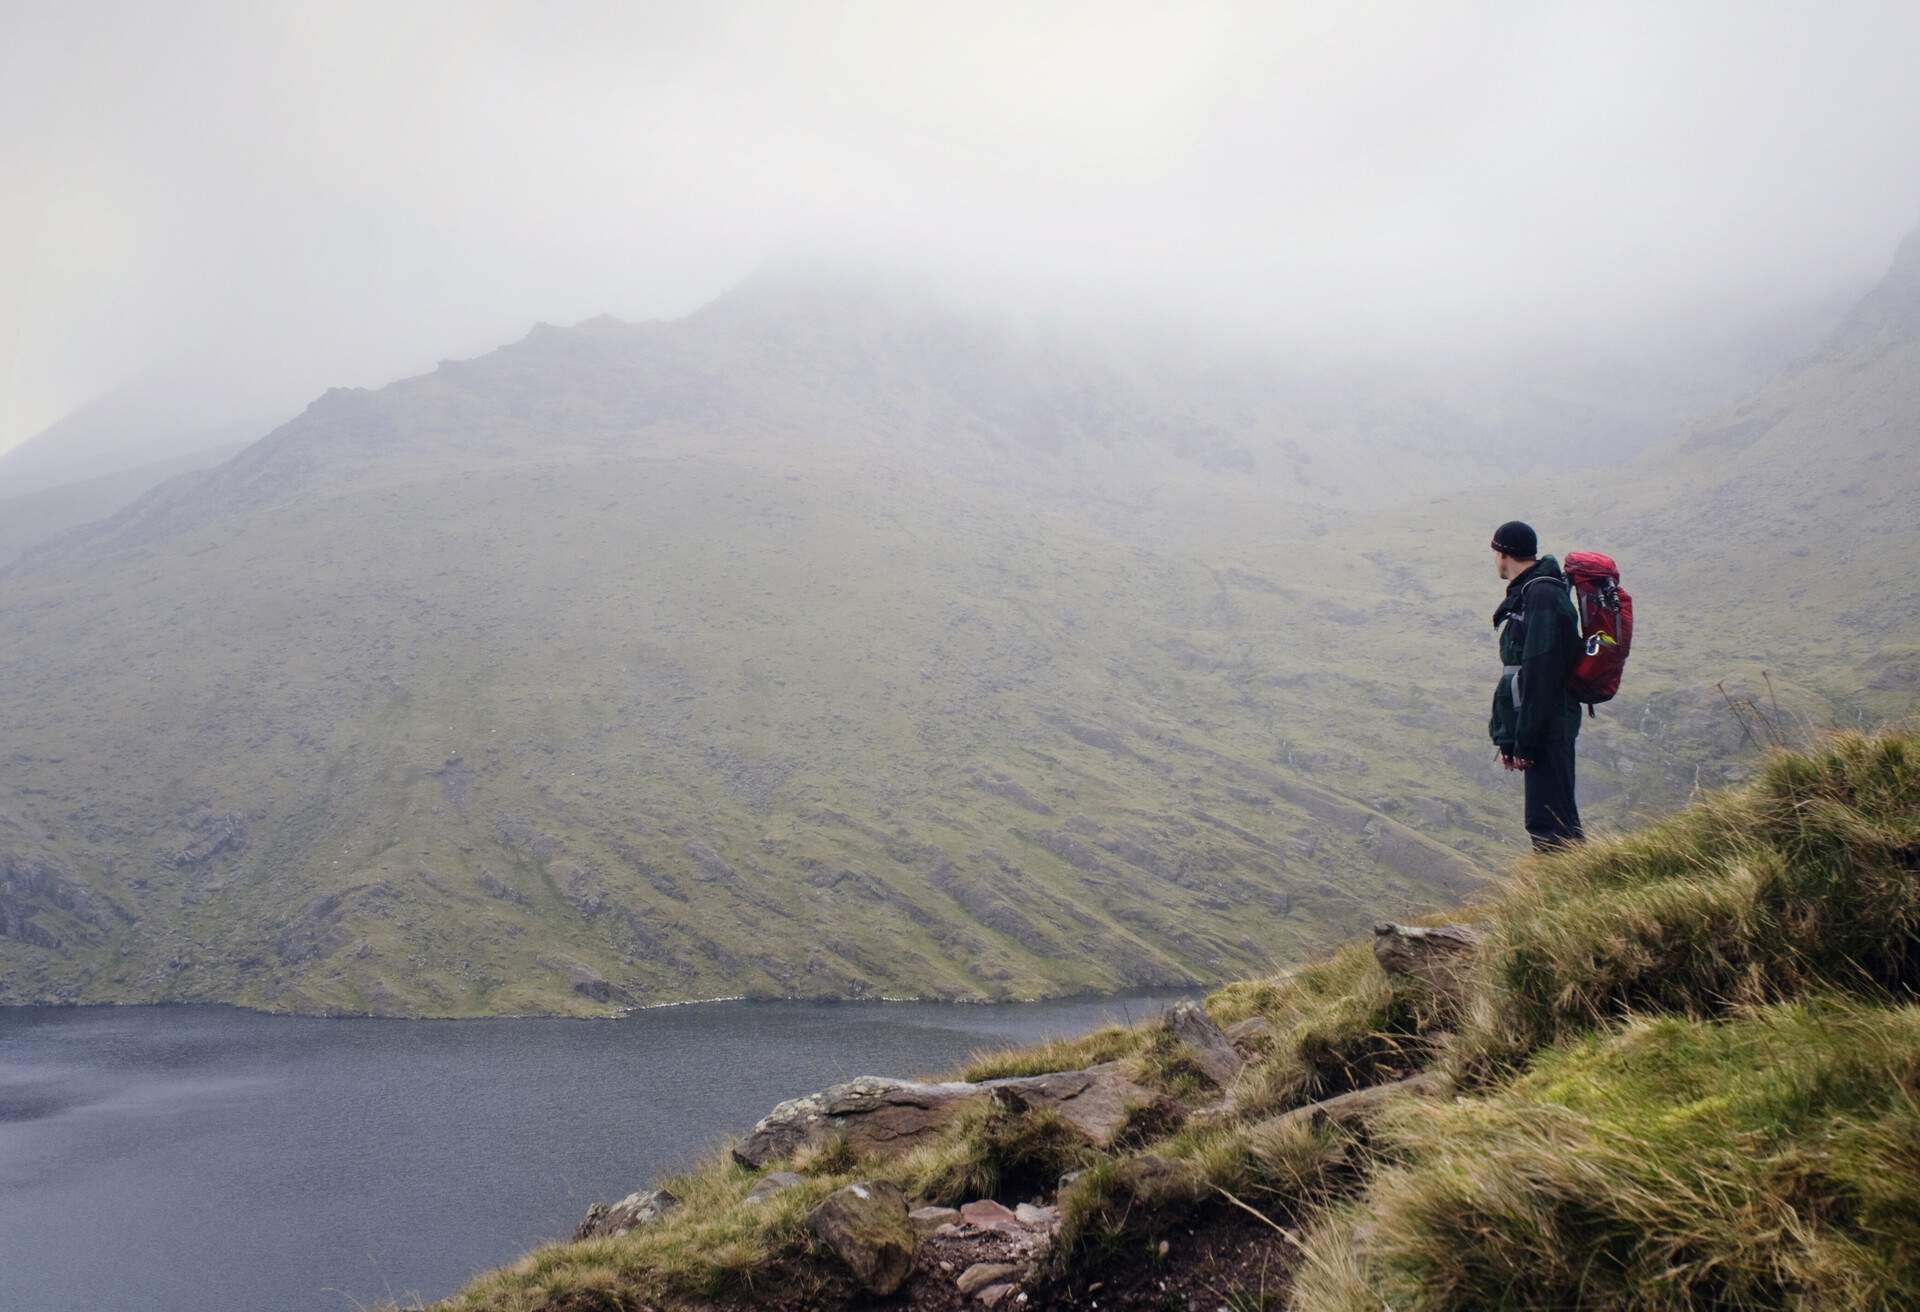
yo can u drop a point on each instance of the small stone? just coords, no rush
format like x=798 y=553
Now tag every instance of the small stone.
x=1066 y=1181
x=989 y=1215
x=995 y=1295
x=1037 y=1218
x=1164 y=1249
x=981 y=1274
x=929 y=1220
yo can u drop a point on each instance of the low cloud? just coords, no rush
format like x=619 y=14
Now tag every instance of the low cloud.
x=261 y=201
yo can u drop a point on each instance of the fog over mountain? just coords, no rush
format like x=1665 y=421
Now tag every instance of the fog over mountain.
x=262 y=201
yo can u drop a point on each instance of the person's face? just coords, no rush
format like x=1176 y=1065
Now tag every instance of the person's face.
x=1503 y=565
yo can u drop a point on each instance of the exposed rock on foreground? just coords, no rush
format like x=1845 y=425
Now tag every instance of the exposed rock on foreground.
x=865 y=1225
x=1207 y=1046
x=1434 y=955
x=630 y=1213
x=877 y=1115
x=994 y=1255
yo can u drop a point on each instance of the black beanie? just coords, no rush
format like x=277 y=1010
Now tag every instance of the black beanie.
x=1517 y=540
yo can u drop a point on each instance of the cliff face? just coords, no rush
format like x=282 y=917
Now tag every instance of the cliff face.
x=1610 y=1089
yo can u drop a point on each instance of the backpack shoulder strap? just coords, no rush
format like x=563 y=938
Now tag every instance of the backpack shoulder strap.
x=1527 y=587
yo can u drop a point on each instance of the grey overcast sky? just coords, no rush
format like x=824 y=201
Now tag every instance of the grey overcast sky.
x=264 y=199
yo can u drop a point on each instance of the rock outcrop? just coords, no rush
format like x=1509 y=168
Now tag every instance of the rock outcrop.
x=630 y=1213
x=31 y=888
x=886 y=1116
x=1206 y=1045
x=874 y=1114
x=1095 y=1101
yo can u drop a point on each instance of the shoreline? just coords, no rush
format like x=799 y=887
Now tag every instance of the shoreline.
x=637 y=1009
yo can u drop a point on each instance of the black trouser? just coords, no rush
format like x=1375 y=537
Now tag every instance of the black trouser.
x=1553 y=819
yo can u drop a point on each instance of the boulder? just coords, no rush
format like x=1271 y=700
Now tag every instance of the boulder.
x=630 y=1213
x=865 y=1225
x=873 y=1113
x=1095 y=1101
x=885 y=1116
x=774 y=1182
x=1432 y=955
x=1206 y=1045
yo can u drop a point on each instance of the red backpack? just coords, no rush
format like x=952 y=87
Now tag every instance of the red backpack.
x=1605 y=612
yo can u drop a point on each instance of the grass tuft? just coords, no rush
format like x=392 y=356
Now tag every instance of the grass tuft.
x=994 y=1152
x=1803 y=880
x=1761 y=1161
x=1339 y=1025
x=712 y=1244
x=1108 y=1043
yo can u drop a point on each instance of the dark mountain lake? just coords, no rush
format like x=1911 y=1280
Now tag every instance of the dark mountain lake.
x=206 y=1159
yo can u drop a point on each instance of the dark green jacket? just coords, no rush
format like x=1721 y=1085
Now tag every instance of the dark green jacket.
x=1538 y=647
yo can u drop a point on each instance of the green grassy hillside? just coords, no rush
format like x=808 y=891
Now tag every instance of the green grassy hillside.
x=832 y=642
x=1678 y=1072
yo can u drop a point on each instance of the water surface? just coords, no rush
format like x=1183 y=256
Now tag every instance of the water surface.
x=204 y=1159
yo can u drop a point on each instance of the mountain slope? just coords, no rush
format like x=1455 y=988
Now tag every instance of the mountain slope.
x=631 y=663
x=1769 y=549
x=833 y=641
x=36 y=517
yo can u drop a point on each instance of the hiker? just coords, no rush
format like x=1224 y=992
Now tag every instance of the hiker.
x=1535 y=716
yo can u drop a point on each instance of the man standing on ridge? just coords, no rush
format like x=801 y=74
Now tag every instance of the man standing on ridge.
x=1535 y=718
